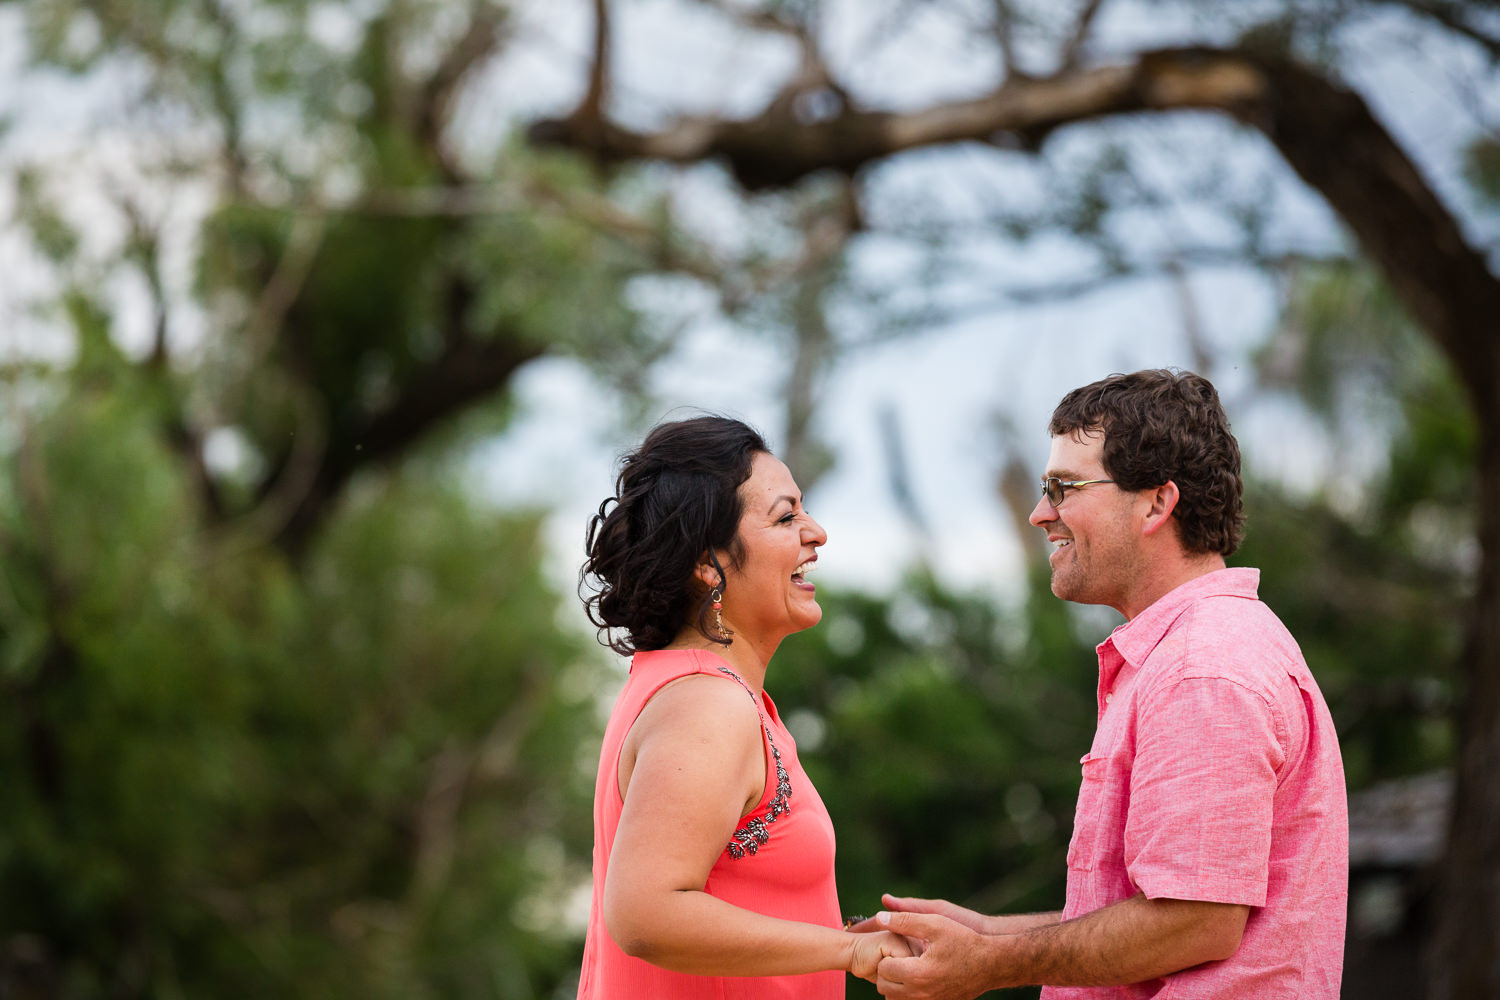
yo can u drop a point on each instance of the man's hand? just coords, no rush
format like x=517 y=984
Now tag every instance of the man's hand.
x=871 y=949
x=952 y=963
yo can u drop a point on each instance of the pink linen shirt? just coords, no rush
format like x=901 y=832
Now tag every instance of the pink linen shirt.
x=1215 y=775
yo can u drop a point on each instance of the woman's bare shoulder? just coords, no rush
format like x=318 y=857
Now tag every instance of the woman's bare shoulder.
x=703 y=701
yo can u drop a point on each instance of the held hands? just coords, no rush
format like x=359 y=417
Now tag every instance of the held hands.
x=947 y=961
x=870 y=949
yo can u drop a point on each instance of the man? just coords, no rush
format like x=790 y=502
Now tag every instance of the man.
x=1210 y=846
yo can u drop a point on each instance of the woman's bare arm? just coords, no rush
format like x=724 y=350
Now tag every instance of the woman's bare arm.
x=698 y=765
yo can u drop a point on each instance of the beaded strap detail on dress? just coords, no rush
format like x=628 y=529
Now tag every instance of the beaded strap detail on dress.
x=755 y=833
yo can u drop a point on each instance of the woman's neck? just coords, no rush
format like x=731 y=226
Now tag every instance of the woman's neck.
x=742 y=656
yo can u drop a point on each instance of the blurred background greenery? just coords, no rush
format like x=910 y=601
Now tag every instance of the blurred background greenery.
x=291 y=708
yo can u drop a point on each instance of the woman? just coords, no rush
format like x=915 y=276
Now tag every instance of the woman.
x=713 y=854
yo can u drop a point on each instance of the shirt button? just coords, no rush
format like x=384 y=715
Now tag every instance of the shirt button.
x=1109 y=697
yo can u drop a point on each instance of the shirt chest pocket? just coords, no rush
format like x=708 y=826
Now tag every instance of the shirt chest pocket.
x=1099 y=822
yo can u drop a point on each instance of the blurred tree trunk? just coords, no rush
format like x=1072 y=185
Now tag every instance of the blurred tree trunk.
x=1453 y=296
x=1465 y=959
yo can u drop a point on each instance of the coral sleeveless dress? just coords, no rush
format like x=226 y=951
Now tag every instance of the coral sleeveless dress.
x=779 y=862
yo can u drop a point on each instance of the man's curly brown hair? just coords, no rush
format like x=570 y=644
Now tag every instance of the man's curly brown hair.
x=1162 y=425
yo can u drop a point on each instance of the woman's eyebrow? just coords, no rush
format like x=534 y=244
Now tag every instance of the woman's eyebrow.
x=787 y=497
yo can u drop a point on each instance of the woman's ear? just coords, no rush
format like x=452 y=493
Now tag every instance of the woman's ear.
x=705 y=572
x=1163 y=502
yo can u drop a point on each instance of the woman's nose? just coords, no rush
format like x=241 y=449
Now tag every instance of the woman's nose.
x=819 y=536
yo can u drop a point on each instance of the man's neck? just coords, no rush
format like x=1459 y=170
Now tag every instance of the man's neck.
x=1168 y=577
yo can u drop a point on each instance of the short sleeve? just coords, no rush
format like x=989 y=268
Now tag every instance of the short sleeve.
x=1201 y=792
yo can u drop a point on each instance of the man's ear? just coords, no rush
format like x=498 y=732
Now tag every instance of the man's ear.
x=1163 y=501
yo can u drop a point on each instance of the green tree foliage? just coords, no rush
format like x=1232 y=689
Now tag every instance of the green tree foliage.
x=943 y=731
x=364 y=276
x=230 y=776
x=1371 y=571
x=287 y=709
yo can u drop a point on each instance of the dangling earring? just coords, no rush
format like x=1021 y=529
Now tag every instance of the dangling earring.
x=717 y=596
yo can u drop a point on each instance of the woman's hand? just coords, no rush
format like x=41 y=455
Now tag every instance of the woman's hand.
x=869 y=949
x=974 y=921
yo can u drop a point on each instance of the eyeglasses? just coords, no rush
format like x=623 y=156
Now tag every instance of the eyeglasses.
x=1055 y=490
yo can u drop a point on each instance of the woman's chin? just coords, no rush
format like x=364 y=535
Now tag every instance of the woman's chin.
x=810 y=616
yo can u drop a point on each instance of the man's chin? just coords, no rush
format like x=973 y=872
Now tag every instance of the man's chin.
x=1065 y=589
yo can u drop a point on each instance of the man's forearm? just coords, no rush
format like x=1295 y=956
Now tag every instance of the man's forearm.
x=1020 y=923
x=1132 y=941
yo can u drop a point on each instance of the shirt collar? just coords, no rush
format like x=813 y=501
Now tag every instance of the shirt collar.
x=1135 y=639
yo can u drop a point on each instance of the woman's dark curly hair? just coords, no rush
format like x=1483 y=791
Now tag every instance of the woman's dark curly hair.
x=677 y=497
x=1165 y=425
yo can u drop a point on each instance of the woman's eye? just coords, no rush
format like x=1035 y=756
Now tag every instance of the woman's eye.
x=788 y=517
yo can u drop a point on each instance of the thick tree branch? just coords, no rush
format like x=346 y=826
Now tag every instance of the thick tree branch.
x=1399 y=222
x=1326 y=132
x=466 y=372
x=775 y=149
